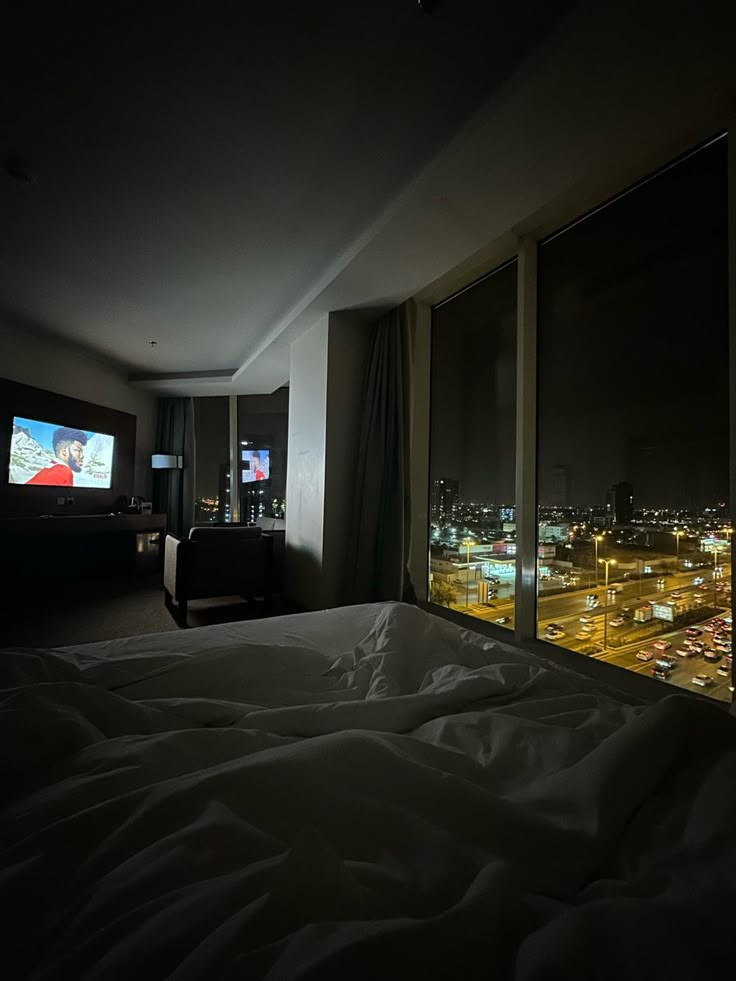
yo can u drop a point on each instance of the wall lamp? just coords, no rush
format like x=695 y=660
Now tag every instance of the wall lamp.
x=166 y=461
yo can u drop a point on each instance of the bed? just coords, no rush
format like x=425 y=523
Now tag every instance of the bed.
x=362 y=793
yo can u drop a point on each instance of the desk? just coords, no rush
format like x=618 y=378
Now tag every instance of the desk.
x=90 y=544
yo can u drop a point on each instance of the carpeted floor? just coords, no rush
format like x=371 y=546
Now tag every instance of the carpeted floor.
x=84 y=612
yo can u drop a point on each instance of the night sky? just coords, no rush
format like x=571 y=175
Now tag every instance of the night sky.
x=632 y=360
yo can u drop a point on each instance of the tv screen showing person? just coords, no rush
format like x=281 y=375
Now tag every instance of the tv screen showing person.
x=256 y=465
x=48 y=455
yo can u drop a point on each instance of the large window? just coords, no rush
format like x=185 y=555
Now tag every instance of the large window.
x=473 y=449
x=263 y=433
x=212 y=472
x=633 y=430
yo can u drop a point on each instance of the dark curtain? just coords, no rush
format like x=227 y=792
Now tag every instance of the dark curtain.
x=173 y=490
x=379 y=540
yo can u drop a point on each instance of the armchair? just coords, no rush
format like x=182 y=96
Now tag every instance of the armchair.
x=217 y=561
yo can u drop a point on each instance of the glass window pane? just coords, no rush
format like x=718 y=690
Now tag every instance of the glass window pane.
x=263 y=432
x=212 y=453
x=633 y=438
x=473 y=450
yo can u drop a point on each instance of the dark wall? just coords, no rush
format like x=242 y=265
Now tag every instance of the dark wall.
x=44 y=406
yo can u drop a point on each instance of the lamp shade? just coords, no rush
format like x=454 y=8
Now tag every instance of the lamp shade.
x=166 y=461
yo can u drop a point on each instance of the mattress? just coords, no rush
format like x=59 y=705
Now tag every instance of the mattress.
x=370 y=792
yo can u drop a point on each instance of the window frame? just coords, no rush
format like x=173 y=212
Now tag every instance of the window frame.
x=524 y=248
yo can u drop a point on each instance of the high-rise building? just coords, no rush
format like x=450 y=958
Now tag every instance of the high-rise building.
x=445 y=495
x=620 y=504
x=559 y=485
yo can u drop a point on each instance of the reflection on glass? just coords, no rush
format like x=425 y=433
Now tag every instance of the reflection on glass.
x=212 y=470
x=263 y=436
x=633 y=403
x=473 y=451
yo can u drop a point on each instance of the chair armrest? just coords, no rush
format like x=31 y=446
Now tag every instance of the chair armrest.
x=172 y=558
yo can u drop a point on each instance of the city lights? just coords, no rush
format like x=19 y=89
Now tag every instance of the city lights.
x=665 y=569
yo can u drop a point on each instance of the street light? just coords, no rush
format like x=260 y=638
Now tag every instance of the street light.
x=606 y=562
x=716 y=550
x=467 y=542
x=678 y=535
x=596 y=539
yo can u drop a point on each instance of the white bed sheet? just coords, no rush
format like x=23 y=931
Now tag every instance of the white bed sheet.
x=361 y=793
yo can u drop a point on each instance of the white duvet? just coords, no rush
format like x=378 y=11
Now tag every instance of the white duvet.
x=369 y=793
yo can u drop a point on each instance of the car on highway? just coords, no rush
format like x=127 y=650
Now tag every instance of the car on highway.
x=588 y=628
x=666 y=661
x=582 y=635
x=660 y=673
x=555 y=626
x=698 y=581
x=702 y=679
x=694 y=632
x=645 y=656
x=710 y=655
x=662 y=645
x=660 y=583
x=617 y=622
x=555 y=634
x=684 y=652
x=586 y=618
x=502 y=620
x=724 y=669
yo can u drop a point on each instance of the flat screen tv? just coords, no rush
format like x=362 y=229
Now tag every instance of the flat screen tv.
x=255 y=465
x=51 y=455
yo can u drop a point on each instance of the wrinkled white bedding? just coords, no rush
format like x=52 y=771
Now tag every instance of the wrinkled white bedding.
x=356 y=794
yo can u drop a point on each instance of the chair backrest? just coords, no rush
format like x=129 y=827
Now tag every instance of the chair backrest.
x=221 y=561
x=271 y=524
x=222 y=534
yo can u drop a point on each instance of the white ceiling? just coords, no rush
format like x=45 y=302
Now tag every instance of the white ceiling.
x=205 y=172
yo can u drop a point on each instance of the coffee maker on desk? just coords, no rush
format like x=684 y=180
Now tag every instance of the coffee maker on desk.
x=133 y=505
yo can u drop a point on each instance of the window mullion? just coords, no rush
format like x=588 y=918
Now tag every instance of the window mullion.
x=526 y=442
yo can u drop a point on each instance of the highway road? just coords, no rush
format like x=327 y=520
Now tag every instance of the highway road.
x=566 y=609
x=685 y=670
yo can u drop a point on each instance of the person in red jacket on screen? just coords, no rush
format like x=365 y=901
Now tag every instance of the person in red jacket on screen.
x=255 y=460
x=69 y=452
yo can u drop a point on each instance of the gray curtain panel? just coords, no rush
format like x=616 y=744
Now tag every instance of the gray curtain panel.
x=379 y=541
x=173 y=490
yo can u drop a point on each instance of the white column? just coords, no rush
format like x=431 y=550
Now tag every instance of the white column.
x=525 y=618
x=326 y=381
